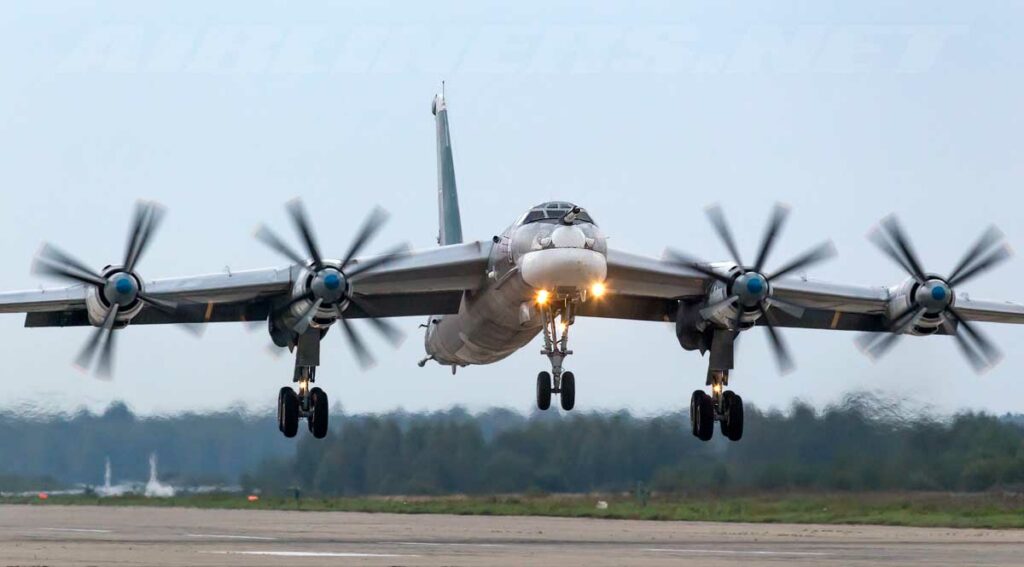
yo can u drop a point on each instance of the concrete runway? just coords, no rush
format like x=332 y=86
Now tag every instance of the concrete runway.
x=81 y=535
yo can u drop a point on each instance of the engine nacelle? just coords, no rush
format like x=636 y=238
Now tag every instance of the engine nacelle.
x=97 y=304
x=904 y=297
x=691 y=328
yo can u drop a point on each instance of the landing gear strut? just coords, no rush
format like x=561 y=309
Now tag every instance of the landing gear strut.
x=556 y=348
x=723 y=406
x=309 y=403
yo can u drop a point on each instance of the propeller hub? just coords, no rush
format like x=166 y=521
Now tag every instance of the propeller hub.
x=751 y=288
x=121 y=288
x=330 y=285
x=934 y=295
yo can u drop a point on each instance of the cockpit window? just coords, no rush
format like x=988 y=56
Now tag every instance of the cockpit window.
x=553 y=212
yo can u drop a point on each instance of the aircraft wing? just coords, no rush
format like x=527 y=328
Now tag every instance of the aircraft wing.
x=422 y=283
x=649 y=289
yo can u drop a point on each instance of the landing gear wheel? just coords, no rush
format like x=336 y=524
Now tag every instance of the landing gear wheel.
x=318 y=419
x=288 y=412
x=543 y=391
x=732 y=415
x=568 y=396
x=702 y=415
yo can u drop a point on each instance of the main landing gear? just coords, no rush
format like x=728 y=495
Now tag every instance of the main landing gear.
x=723 y=406
x=556 y=343
x=308 y=403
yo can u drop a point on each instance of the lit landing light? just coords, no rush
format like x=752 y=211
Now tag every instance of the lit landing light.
x=598 y=290
x=542 y=297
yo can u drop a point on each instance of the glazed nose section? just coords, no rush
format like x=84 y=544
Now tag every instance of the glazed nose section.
x=568 y=237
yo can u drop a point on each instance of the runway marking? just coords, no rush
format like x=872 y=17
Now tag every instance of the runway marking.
x=441 y=544
x=737 y=552
x=81 y=530
x=229 y=536
x=309 y=554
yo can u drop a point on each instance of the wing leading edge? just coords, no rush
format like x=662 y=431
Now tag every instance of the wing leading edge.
x=421 y=283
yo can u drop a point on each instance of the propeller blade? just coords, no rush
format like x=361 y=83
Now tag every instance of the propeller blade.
x=715 y=308
x=717 y=218
x=820 y=253
x=778 y=219
x=301 y=220
x=988 y=349
x=789 y=307
x=105 y=367
x=988 y=239
x=306 y=318
x=46 y=267
x=696 y=265
x=876 y=345
x=975 y=359
x=373 y=223
x=164 y=305
x=779 y=349
x=892 y=225
x=998 y=256
x=395 y=253
x=386 y=328
x=54 y=261
x=267 y=236
x=148 y=217
x=881 y=241
x=88 y=352
x=362 y=353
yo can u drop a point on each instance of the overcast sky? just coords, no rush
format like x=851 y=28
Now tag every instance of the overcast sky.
x=643 y=112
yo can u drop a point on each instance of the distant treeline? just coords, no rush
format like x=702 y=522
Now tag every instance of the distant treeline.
x=860 y=444
x=64 y=450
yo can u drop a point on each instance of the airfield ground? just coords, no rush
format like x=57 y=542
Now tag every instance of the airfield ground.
x=56 y=535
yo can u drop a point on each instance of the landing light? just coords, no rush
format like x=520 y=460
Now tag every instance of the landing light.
x=597 y=290
x=542 y=296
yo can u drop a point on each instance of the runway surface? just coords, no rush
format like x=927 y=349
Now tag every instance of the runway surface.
x=81 y=535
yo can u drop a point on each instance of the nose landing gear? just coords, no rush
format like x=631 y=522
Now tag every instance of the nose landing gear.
x=556 y=343
x=308 y=403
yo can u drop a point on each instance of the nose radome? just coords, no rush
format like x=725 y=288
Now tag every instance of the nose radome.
x=568 y=237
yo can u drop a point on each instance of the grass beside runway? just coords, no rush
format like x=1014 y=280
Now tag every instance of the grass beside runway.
x=986 y=510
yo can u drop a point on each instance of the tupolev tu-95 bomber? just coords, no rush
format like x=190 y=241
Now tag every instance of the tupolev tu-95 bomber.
x=485 y=299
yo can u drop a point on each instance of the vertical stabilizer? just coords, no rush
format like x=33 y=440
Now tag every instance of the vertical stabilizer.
x=450 y=223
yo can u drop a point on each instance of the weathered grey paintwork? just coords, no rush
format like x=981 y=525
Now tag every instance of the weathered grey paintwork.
x=480 y=302
x=501 y=317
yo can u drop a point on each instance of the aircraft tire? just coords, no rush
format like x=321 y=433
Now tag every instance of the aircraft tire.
x=318 y=422
x=732 y=424
x=568 y=396
x=288 y=412
x=543 y=391
x=702 y=415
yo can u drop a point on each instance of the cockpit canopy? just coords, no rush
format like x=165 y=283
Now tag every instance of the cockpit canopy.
x=552 y=212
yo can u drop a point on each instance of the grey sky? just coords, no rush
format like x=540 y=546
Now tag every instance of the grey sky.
x=643 y=113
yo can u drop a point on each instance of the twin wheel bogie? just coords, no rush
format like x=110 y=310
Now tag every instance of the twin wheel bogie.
x=566 y=391
x=311 y=405
x=726 y=409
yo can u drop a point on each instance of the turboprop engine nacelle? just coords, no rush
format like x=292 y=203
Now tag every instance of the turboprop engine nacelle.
x=121 y=287
x=933 y=295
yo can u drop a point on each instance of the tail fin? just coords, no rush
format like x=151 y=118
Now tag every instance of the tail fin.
x=450 y=223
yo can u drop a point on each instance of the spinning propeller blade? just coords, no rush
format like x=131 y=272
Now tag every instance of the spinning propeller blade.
x=986 y=253
x=335 y=292
x=749 y=291
x=118 y=288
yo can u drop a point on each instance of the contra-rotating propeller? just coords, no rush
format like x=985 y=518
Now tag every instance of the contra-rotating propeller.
x=331 y=283
x=119 y=288
x=751 y=290
x=932 y=296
